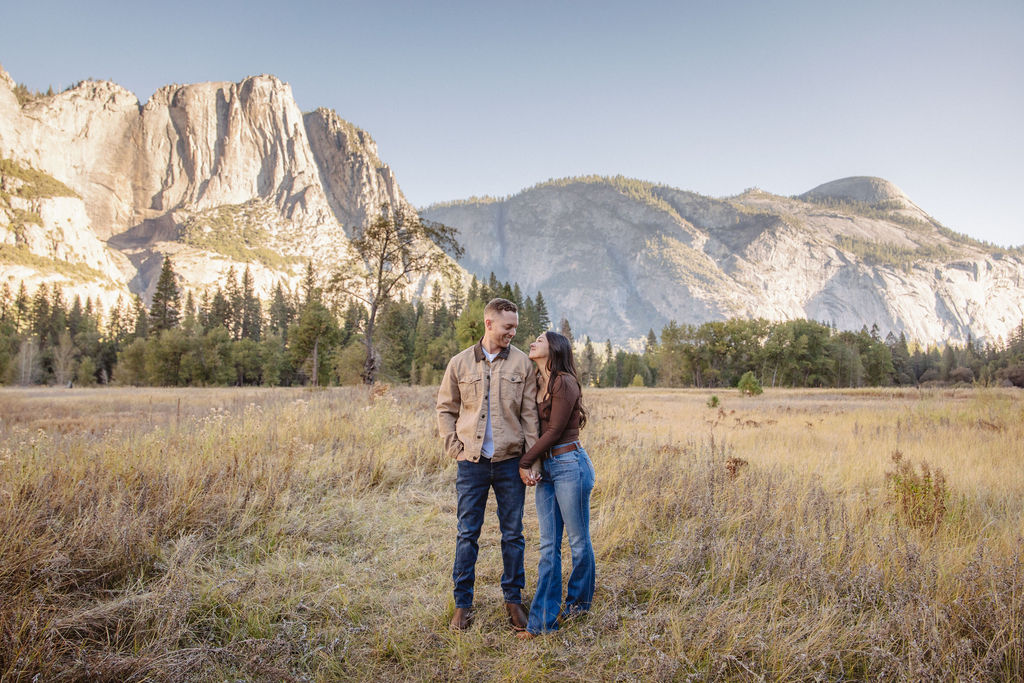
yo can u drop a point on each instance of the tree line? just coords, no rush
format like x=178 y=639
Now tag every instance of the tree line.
x=229 y=336
x=807 y=353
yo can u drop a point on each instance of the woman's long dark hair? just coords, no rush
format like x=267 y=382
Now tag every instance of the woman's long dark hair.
x=560 y=362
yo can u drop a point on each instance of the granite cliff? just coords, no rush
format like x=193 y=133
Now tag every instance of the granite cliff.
x=618 y=257
x=215 y=174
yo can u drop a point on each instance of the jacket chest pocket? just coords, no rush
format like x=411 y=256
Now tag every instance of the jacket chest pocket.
x=469 y=390
x=512 y=389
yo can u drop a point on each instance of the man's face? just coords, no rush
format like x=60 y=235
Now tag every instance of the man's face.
x=501 y=327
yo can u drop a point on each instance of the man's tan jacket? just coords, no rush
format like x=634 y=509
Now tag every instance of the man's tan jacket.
x=510 y=381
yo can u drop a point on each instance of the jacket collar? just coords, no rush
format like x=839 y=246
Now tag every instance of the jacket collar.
x=478 y=352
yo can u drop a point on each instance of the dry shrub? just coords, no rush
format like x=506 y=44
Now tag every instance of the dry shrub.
x=920 y=498
x=733 y=466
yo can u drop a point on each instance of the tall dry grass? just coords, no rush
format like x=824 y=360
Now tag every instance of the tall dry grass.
x=288 y=535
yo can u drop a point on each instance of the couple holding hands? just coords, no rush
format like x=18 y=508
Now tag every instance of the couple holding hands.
x=512 y=421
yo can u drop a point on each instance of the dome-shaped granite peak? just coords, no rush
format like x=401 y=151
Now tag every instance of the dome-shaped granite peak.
x=868 y=189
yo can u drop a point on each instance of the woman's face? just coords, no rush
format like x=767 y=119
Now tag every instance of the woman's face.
x=539 y=348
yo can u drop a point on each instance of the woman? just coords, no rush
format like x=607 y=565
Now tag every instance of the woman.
x=564 y=484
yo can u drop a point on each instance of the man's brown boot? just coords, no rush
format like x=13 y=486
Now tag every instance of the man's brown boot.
x=516 y=615
x=462 y=618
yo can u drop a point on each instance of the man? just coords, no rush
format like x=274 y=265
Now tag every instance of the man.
x=487 y=416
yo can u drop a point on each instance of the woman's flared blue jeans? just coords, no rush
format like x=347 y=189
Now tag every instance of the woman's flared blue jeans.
x=563 y=502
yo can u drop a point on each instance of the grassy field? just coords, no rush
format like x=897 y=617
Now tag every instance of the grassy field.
x=293 y=535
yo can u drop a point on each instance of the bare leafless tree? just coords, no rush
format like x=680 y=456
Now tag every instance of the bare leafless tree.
x=64 y=359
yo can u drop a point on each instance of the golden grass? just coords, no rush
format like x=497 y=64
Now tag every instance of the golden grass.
x=281 y=534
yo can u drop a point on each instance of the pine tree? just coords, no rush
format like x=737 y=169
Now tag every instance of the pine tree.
x=565 y=330
x=58 y=321
x=543 y=320
x=947 y=362
x=309 y=290
x=191 y=319
x=6 y=303
x=40 y=317
x=434 y=301
x=117 y=323
x=651 y=346
x=588 y=369
x=252 y=312
x=203 y=311
x=506 y=292
x=75 y=317
x=493 y=287
x=420 y=373
x=901 y=360
x=220 y=311
x=457 y=301
x=166 y=307
x=396 y=334
x=22 y=307
x=233 y=294
x=608 y=376
x=281 y=313
x=141 y=328
x=1016 y=343
x=529 y=327
x=310 y=338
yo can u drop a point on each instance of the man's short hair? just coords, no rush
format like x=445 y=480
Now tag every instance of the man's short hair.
x=499 y=305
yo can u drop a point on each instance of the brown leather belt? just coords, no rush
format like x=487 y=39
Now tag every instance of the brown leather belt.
x=565 y=448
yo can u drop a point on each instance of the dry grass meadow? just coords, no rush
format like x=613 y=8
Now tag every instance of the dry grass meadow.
x=289 y=535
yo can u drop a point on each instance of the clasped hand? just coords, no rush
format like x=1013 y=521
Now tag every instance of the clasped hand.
x=530 y=477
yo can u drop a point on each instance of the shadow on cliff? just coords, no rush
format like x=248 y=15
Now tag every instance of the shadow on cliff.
x=138 y=245
x=851 y=298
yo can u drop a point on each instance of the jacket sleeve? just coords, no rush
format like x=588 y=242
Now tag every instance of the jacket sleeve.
x=449 y=403
x=563 y=400
x=528 y=416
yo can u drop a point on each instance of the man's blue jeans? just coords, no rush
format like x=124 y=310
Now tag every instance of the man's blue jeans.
x=563 y=502
x=472 y=484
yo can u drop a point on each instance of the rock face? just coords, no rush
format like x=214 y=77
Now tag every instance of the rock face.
x=618 y=257
x=217 y=174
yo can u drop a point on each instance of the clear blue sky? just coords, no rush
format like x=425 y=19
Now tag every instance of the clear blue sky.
x=474 y=98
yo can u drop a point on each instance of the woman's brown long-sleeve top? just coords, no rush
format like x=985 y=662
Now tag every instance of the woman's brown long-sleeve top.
x=559 y=419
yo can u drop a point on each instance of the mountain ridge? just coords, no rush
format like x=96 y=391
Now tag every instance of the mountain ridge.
x=863 y=259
